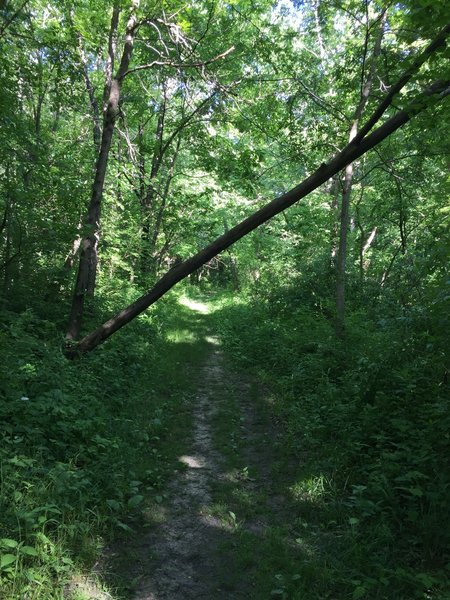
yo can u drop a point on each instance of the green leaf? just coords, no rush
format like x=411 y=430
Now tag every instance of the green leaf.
x=426 y=579
x=113 y=504
x=359 y=592
x=28 y=550
x=6 y=559
x=123 y=526
x=135 y=500
x=8 y=543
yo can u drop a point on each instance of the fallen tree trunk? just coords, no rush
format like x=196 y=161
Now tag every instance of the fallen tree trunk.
x=350 y=153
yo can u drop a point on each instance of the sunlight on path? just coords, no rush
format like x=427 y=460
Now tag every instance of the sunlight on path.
x=203 y=309
x=182 y=549
x=193 y=305
x=193 y=462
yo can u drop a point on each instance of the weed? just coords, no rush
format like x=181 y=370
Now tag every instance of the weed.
x=85 y=446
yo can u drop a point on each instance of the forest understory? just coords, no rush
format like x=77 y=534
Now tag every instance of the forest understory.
x=217 y=481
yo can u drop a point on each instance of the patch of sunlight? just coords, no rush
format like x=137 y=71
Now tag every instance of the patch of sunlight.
x=82 y=587
x=217 y=522
x=200 y=307
x=232 y=476
x=212 y=339
x=155 y=514
x=180 y=336
x=193 y=462
x=311 y=489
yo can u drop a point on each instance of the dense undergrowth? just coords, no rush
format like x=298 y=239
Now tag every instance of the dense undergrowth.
x=84 y=442
x=362 y=458
x=365 y=434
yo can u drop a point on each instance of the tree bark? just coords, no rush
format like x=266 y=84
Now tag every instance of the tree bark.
x=86 y=277
x=347 y=187
x=162 y=206
x=95 y=111
x=70 y=258
x=351 y=152
x=148 y=192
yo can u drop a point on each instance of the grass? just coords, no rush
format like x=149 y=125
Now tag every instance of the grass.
x=352 y=471
x=87 y=446
x=269 y=553
x=329 y=486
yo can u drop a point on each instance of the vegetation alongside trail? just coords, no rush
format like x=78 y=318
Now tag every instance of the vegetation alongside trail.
x=337 y=479
x=363 y=443
x=84 y=444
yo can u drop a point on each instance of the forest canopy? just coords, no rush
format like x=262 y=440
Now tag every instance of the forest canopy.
x=155 y=128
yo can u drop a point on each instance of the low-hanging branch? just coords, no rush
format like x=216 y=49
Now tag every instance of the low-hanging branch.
x=351 y=152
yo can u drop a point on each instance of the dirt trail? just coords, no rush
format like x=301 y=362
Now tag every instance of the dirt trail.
x=184 y=546
x=183 y=551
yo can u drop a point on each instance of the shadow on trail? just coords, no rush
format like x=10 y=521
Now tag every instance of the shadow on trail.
x=225 y=525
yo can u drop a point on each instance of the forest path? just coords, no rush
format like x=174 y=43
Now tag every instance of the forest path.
x=191 y=550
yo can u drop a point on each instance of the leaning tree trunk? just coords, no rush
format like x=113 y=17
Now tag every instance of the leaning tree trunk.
x=351 y=152
x=360 y=144
x=87 y=269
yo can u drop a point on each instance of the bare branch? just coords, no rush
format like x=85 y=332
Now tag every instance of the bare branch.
x=179 y=65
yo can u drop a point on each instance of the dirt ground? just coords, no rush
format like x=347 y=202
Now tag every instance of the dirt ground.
x=179 y=552
x=182 y=557
x=184 y=546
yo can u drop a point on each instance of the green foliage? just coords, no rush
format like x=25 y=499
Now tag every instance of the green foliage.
x=368 y=421
x=82 y=443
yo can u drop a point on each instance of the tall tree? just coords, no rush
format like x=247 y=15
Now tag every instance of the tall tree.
x=87 y=269
x=169 y=54
x=367 y=78
x=362 y=141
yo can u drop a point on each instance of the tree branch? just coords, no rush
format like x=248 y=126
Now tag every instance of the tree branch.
x=12 y=18
x=350 y=153
x=438 y=42
x=179 y=65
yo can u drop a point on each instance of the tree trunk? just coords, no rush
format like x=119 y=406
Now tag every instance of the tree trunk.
x=70 y=258
x=7 y=254
x=86 y=277
x=334 y=192
x=316 y=6
x=95 y=111
x=364 y=246
x=350 y=153
x=162 y=207
x=347 y=187
x=149 y=191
